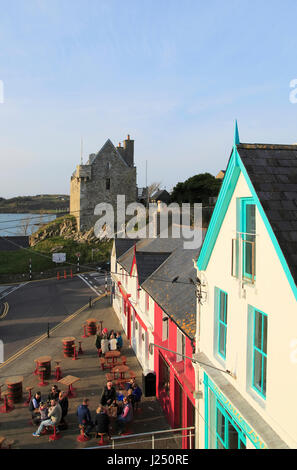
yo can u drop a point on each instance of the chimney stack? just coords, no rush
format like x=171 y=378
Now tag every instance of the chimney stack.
x=129 y=151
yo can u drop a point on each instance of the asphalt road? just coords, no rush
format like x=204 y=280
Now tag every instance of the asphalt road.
x=35 y=304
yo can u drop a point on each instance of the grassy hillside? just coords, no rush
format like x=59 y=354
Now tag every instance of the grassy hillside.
x=91 y=252
x=50 y=203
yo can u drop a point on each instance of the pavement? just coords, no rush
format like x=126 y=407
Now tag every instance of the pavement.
x=16 y=424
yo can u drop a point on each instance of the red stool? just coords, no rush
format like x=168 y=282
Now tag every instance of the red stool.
x=82 y=437
x=84 y=335
x=101 y=442
x=80 y=351
x=74 y=353
x=42 y=383
x=55 y=436
x=1 y=385
x=58 y=374
x=7 y=407
x=28 y=389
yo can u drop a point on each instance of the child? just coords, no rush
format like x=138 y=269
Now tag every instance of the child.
x=43 y=411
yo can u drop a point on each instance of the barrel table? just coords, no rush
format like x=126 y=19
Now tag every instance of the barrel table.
x=15 y=389
x=45 y=361
x=92 y=326
x=68 y=344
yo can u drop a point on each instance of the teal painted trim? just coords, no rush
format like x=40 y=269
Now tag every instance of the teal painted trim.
x=222 y=324
x=236 y=134
x=246 y=430
x=261 y=352
x=205 y=381
x=234 y=168
x=222 y=204
x=244 y=202
x=269 y=230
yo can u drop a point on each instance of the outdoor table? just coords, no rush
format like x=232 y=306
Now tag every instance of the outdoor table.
x=14 y=389
x=121 y=369
x=113 y=355
x=92 y=326
x=68 y=346
x=45 y=361
x=69 y=380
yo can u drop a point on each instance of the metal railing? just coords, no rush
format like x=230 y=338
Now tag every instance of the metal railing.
x=152 y=440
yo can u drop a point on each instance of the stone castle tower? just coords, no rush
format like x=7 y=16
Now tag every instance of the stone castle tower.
x=105 y=175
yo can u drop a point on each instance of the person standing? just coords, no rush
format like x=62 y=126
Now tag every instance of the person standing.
x=104 y=344
x=102 y=421
x=112 y=343
x=63 y=401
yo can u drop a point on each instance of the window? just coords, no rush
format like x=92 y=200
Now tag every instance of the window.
x=248 y=229
x=222 y=322
x=259 y=352
x=107 y=184
x=244 y=246
x=180 y=346
x=165 y=327
x=228 y=434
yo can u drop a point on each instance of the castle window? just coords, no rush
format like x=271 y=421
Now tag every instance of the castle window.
x=108 y=184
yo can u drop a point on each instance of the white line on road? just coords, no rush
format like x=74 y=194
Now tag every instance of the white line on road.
x=15 y=288
x=91 y=287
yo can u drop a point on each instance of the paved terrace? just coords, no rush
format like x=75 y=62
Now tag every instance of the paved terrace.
x=15 y=424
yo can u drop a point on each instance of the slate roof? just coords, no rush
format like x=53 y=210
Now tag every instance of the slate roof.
x=148 y=262
x=123 y=244
x=272 y=170
x=178 y=299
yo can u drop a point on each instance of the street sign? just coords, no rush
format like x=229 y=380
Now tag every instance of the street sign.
x=59 y=257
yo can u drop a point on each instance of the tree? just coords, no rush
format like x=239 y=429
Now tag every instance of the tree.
x=153 y=187
x=198 y=188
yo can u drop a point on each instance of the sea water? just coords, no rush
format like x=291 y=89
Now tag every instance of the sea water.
x=22 y=224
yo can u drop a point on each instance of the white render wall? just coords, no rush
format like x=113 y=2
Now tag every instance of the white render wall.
x=129 y=284
x=272 y=295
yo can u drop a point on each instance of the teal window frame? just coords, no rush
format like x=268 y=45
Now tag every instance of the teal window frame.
x=222 y=323
x=244 y=203
x=222 y=441
x=260 y=352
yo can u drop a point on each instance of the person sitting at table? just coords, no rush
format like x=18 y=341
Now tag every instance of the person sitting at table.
x=43 y=408
x=54 y=417
x=54 y=393
x=112 y=343
x=130 y=383
x=137 y=392
x=102 y=421
x=84 y=417
x=109 y=394
x=126 y=416
x=63 y=401
x=119 y=341
x=131 y=397
x=104 y=344
x=34 y=407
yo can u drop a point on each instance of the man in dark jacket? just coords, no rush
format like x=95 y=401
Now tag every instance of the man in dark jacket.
x=63 y=401
x=84 y=417
x=102 y=421
x=54 y=393
x=109 y=395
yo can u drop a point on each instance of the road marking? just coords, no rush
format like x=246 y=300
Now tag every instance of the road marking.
x=5 y=311
x=90 y=286
x=42 y=337
x=15 y=288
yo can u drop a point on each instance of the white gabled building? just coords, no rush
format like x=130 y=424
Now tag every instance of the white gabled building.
x=248 y=312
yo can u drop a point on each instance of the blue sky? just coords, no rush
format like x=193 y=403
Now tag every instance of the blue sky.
x=172 y=74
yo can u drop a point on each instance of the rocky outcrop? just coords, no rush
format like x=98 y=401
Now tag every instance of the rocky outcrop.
x=65 y=228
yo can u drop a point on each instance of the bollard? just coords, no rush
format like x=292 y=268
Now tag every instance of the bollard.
x=58 y=275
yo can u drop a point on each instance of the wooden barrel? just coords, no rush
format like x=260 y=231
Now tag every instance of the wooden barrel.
x=15 y=389
x=92 y=326
x=45 y=361
x=68 y=344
